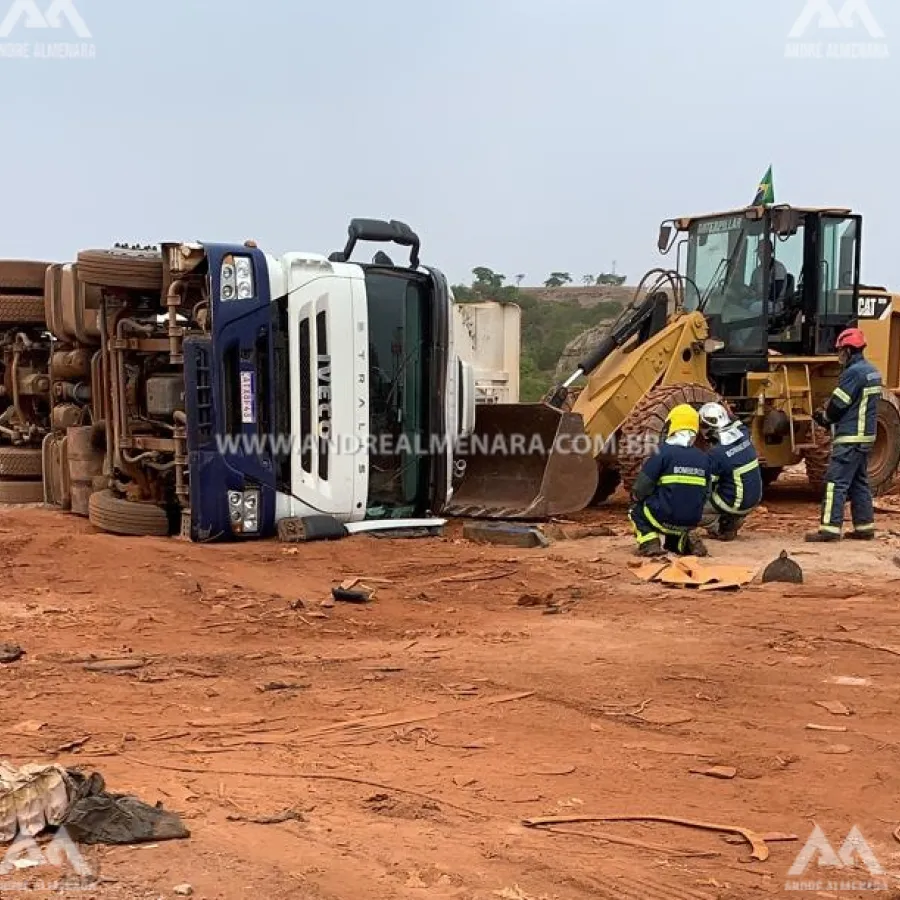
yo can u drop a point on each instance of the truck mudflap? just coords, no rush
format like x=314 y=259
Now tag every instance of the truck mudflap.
x=524 y=461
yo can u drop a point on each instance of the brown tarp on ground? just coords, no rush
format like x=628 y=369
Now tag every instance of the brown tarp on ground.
x=689 y=571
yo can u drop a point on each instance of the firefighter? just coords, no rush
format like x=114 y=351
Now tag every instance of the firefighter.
x=736 y=477
x=850 y=414
x=671 y=490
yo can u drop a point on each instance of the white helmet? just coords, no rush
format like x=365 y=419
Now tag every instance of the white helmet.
x=714 y=416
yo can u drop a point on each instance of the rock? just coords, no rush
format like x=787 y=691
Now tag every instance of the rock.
x=10 y=653
x=327 y=603
x=183 y=890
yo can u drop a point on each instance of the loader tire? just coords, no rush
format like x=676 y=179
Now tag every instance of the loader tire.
x=884 y=458
x=608 y=482
x=16 y=309
x=121 y=268
x=22 y=275
x=642 y=429
x=110 y=513
x=21 y=492
x=21 y=462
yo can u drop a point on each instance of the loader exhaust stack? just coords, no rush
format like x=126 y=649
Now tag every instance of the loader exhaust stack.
x=525 y=461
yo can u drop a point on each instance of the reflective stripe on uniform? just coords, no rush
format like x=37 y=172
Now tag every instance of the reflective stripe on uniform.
x=861 y=437
x=842 y=395
x=829 y=503
x=641 y=537
x=738 y=474
x=830 y=529
x=867 y=527
x=694 y=480
x=663 y=528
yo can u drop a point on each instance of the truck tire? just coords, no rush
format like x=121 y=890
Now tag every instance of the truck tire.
x=21 y=462
x=118 y=516
x=884 y=458
x=121 y=268
x=21 y=310
x=21 y=492
x=608 y=481
x=22 y=275
x=647 y=420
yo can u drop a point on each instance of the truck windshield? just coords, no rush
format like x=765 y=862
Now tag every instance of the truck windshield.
x=727 y=276
x=399 y=329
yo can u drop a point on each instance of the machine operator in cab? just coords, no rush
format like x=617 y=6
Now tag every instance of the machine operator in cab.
x=670 y=492
x=736 y=485
x=851 y=415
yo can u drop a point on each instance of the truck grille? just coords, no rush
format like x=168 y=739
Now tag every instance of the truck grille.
x=204 y=396
x=314 y=395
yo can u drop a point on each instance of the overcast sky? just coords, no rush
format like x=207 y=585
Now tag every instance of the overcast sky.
x=524 y=135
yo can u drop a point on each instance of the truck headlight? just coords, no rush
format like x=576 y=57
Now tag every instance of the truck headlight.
x=243 y=511
x=236 y=278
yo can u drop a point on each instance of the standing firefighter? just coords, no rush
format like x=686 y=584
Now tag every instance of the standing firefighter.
x=670 y=492
x=851 y=415
x=737 y=486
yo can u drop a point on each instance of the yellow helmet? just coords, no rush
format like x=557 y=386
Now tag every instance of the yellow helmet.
x=683 y=418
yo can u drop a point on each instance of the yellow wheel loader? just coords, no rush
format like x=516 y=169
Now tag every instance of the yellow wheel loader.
x=749 y=317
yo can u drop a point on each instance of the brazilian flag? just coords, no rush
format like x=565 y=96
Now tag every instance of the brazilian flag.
x=765 y=193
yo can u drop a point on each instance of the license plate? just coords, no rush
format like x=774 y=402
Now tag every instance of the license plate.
x=248 y=398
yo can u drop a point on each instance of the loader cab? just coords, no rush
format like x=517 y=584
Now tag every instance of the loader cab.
x=772 y=280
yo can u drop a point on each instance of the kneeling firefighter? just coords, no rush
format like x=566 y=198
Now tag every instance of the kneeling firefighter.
x=737 y=486
x=671 y=490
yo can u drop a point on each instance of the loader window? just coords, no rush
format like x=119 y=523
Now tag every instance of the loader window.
x=838 y=264
x=723 y=264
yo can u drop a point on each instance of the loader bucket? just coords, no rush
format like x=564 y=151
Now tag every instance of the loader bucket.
x=524 y=461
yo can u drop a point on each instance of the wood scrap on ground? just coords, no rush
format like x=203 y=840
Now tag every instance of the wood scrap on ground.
x=756 y=841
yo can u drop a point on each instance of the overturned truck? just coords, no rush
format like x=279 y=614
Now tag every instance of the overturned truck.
x=197 y=388
x=25 y=383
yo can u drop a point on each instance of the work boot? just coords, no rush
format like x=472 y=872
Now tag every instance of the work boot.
x=723 y=535
x=651 y=549
x=822 y=537
x=861 y=535
x=695 y=547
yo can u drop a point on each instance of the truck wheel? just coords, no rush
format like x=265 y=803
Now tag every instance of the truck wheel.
x=644 y=426
x=607 y=483
x=118 y=516
x=121 y=268
x=20 y=310
x=21 y=492
x=22 y=275
x=21 y=462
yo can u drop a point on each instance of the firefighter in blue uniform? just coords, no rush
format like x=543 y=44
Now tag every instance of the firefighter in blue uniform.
x=737 y=486
x=851 y=415
x=670 y=492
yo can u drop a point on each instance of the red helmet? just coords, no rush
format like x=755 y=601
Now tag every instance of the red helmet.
x=852 y=338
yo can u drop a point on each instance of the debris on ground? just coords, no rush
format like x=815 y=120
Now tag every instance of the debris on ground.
x=558 y=532
x=36 y=797
x=723 y=772
x=183 y=890
x=783 y=569
x=504 y=533
x=10 y=653
x=689 y=571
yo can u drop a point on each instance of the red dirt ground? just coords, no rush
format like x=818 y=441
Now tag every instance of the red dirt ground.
x=409 y=780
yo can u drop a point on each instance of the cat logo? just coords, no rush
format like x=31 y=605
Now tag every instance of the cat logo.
x=873 y=307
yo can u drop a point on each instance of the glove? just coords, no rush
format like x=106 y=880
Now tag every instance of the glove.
x=820 y=419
